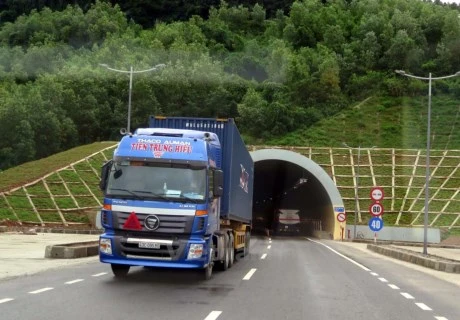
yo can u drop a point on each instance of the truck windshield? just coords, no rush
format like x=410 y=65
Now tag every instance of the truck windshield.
x=139 y=180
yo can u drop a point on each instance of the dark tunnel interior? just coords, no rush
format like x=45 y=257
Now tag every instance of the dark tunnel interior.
x=287 y=186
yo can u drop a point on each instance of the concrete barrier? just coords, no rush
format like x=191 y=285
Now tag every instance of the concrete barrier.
x=72 y=250
x=429 y=261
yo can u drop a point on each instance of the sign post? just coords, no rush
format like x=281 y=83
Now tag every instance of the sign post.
x=376 y=210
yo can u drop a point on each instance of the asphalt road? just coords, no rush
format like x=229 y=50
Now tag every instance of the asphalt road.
x=281 y=279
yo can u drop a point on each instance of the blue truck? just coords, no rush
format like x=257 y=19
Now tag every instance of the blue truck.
x=177 y=194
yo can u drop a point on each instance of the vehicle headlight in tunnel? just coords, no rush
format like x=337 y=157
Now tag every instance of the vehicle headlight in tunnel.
x=105 y=246
x=195 y=251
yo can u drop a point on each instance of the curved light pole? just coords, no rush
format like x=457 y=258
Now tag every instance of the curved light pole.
x=131 y=72
x=428 y=134
x=357 y=182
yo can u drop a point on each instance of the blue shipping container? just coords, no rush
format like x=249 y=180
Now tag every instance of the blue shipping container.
x=237 y=164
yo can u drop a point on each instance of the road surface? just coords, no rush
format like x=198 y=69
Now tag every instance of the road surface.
x=282 y=278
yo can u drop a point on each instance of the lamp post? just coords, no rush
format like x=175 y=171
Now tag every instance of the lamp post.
x=131 y=72
x=428 y=134
x=357 y=183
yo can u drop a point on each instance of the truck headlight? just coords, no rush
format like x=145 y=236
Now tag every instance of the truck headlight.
x=105 y=246
x=195 y=251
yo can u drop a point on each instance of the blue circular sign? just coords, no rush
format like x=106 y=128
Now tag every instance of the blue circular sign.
x=376 y=224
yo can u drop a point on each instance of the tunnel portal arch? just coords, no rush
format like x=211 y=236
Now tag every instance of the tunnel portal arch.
x=329 y=218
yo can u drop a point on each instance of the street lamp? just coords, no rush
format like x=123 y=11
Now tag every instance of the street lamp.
x=428 y=134
x=357 y=183
x=131 y=72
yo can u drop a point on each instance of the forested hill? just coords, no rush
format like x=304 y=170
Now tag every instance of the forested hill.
x=280 y=68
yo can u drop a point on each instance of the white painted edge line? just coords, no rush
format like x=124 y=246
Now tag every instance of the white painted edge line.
x=41 y=290
x=341 y=255
x=423 y=306
x=74 y=281
x=374 y=274
x=393 y=286
x=383 y=279
x=213 y=315
x=99 y=274
x=249 y=274
x=6 y=300
x=406 y=295
x=268 y=247
x=263 y=256
x=441 y=318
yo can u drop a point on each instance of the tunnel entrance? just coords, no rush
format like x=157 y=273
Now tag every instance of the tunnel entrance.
x=293 y=195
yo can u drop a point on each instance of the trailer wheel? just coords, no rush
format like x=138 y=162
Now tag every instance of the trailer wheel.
x=120 y=270
x=231 y=250
x=247 y=240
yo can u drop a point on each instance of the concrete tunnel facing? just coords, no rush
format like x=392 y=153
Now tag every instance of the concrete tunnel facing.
x=287 y=180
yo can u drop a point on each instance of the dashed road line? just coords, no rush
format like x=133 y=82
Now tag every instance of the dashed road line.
x=263 y=256
x=99 y=274
x=423 y=306
x=41 y=290
x=213 y=315
x=268 y=247
x=249 y=274
x=74 y=281
x=383 y=279
x=374 y=274
x=6 y=300
x=406 y=295
x=393 y=286
x=441 y=318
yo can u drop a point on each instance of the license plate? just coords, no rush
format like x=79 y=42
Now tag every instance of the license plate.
x=149 y=245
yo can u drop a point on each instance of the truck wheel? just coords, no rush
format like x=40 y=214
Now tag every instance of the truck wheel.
x=231 y=250
x=247 y=240
x=208 y=271
x=120 y=270
x=223 y=265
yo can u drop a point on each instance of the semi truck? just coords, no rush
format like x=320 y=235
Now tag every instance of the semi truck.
x=177 y=194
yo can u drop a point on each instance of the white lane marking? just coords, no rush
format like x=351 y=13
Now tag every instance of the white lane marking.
x=41 y=290
x=406 y=295
x=74 y=281
x=441 y=318
x=423 y=306
x=6 y=300
x=269 y=241
x=393 y=286
x=341 y=255
x=268 y=247
x=213 y=315
x=99 y=274
x=374 y=274
x=249 y=274
x=383 y=279
x=263 y=256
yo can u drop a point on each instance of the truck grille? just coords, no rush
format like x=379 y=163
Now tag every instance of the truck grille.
x=168 y=224
x=165 y=252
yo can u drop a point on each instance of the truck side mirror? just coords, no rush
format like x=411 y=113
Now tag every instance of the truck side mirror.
x=218 y=183
x=105 y=174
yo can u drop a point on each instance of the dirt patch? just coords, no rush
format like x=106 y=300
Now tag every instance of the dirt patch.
x=451 y=241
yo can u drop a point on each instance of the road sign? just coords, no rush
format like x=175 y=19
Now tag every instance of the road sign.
x=377 y=194
x=376 y=224
x=376 y=209
x=341 y=217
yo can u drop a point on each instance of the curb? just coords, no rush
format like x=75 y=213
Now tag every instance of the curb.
x=430 y=261
x=72 y=250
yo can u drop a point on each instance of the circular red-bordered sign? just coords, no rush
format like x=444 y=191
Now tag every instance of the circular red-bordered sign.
x=377 y=194
x=341 y=217
x=376 y=209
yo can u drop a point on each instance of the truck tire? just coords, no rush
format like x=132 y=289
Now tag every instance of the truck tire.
x=120 y=270
x=231 y=250
x=208 y=268
x=247 y=240
x=223 y=265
